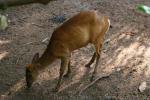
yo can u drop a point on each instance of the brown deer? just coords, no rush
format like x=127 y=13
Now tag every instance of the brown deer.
x=83 y=28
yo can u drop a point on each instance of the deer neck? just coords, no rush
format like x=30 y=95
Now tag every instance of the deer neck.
x=46 y=59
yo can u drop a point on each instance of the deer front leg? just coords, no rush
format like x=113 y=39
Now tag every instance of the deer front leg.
x=64 y=65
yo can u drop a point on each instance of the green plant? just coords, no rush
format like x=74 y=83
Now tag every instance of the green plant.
x=143 y=8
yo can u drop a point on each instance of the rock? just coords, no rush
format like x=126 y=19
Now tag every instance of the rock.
x=3 y=22
x=107 y=41
x=118 y=69
x=142 y=86
x=58 y=19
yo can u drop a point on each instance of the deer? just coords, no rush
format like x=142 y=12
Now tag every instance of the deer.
x=80 y=30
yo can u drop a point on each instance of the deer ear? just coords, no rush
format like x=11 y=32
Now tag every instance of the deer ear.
x=35 y=58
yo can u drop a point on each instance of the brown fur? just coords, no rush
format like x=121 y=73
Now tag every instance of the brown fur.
x=85 y=27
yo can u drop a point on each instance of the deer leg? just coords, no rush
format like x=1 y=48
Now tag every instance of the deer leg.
x=98 y=51
x=95 y=69
x=64 y=65
x=68 y=71
x=91 y=61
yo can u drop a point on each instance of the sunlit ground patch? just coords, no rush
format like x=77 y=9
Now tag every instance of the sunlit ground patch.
x=3 y=54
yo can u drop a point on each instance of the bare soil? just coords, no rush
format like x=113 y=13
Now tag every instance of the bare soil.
x=125 y=55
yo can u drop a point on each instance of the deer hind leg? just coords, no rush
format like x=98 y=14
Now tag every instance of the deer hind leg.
x=91 y=61
x=69 y=70
x=63 y=68
x=98 y=51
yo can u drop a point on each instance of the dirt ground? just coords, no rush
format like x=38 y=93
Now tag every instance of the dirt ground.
x=125 y=55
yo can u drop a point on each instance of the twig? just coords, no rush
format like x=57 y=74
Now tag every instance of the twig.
x=66 y=86
x=45 y=40
x=30 y=43
x=15 y=88
x=37 y=25
x=89 y=85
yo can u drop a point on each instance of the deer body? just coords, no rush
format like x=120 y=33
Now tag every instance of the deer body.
x=83 y=28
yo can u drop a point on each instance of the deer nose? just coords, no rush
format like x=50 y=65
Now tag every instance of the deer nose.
x=29 y=84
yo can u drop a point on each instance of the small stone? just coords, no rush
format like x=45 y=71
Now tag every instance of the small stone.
x=142 y=86
x=3 y=22
x=107 y=41
x=118 y=69
x=58 y=19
